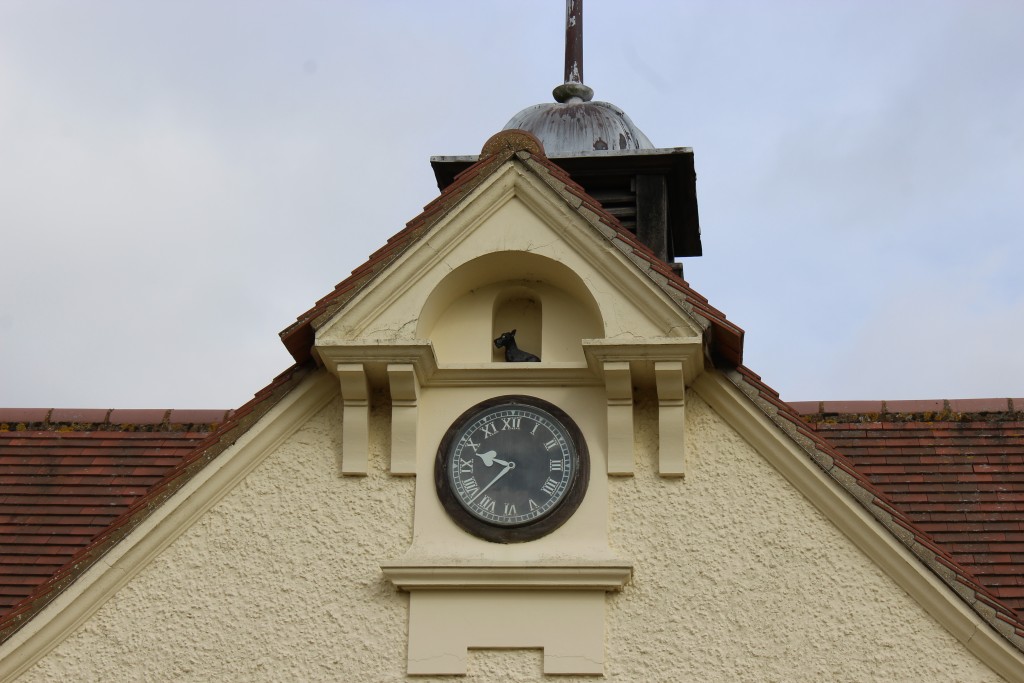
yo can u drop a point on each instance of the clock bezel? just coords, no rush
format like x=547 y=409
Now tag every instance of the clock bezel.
x=533 y=529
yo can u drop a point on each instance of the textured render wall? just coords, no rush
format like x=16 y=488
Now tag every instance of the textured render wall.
x=737 y=578
x=278 y=582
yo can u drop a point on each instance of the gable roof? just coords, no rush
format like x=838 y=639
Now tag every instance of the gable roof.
x=723 y=341
x=67 y=475
x=903 y=515
x=75 y=482
x=954 y=468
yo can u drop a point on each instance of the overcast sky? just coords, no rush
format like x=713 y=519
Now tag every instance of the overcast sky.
x=179 y=180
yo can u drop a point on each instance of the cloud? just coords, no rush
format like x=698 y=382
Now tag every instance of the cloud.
x=953 y=336
x=178 y=183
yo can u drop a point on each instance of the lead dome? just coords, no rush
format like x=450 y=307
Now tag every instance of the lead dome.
x=573 y=124
x=578 y=125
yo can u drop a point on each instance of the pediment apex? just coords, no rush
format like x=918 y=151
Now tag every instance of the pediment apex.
x=571 y=228
x=524 y=231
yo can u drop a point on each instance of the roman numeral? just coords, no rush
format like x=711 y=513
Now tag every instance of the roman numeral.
x=465 y=466
x=509 y=423
x=471 y=486
x=510 y=509
x=550 y=444
x=533 y=506
x=489 y=429
x=556 y=465
x=549 y=486
x=533 y=432
x=487 y=503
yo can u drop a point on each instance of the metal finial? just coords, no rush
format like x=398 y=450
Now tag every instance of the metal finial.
x=573 y=87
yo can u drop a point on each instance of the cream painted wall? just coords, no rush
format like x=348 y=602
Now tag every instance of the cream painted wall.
x=737 y=578
x=750 y=582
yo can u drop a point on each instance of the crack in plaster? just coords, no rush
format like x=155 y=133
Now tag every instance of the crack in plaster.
x=530 y=248
x=391 y=332
x=461 y=657
x=596 y=662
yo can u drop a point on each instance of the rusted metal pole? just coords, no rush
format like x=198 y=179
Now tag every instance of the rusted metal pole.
x=573 y=89
x=573 y=41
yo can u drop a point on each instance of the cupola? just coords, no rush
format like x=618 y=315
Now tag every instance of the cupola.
x=651 y=191
x=574 y=123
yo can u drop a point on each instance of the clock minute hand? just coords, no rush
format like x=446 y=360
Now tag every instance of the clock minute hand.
x=509 y=466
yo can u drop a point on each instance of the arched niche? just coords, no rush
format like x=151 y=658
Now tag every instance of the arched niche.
x=546 y=302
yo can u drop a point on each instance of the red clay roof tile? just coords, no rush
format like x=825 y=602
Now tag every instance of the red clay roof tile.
x=948 y=478
x=54 y=487
x=138 y=417
x=69 y=489
x=23 y=415
x=980 y=405
x=72 y=415
x=210 y=417
x=956 y=474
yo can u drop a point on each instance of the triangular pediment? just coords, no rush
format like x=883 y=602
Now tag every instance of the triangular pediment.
x=514 y=241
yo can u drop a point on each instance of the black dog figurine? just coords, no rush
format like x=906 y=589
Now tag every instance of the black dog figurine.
x=513 y=354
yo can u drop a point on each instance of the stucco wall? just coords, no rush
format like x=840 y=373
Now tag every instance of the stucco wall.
x=737 y=577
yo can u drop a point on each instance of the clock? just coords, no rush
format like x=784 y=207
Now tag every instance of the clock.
x=512 y=469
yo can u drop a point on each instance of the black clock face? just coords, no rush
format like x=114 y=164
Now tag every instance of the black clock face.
x=512 y=469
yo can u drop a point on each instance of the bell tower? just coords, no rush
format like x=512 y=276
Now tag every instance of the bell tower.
x=508 y=331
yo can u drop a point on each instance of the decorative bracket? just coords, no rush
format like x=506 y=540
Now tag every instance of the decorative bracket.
x=404 y=394
x=405 y=365
x=671 y=418
x=619 y=389
x=671 y=363
x=355 y=419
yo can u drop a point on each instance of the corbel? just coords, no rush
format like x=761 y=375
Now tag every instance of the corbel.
x=619 y=389
x=671 y=418
x=404 y=394
x=355 y=418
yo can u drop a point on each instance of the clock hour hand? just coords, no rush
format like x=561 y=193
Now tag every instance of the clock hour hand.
x=489 y=458
x=504 y=471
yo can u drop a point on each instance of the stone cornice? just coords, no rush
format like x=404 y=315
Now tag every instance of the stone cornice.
x=439 y=575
